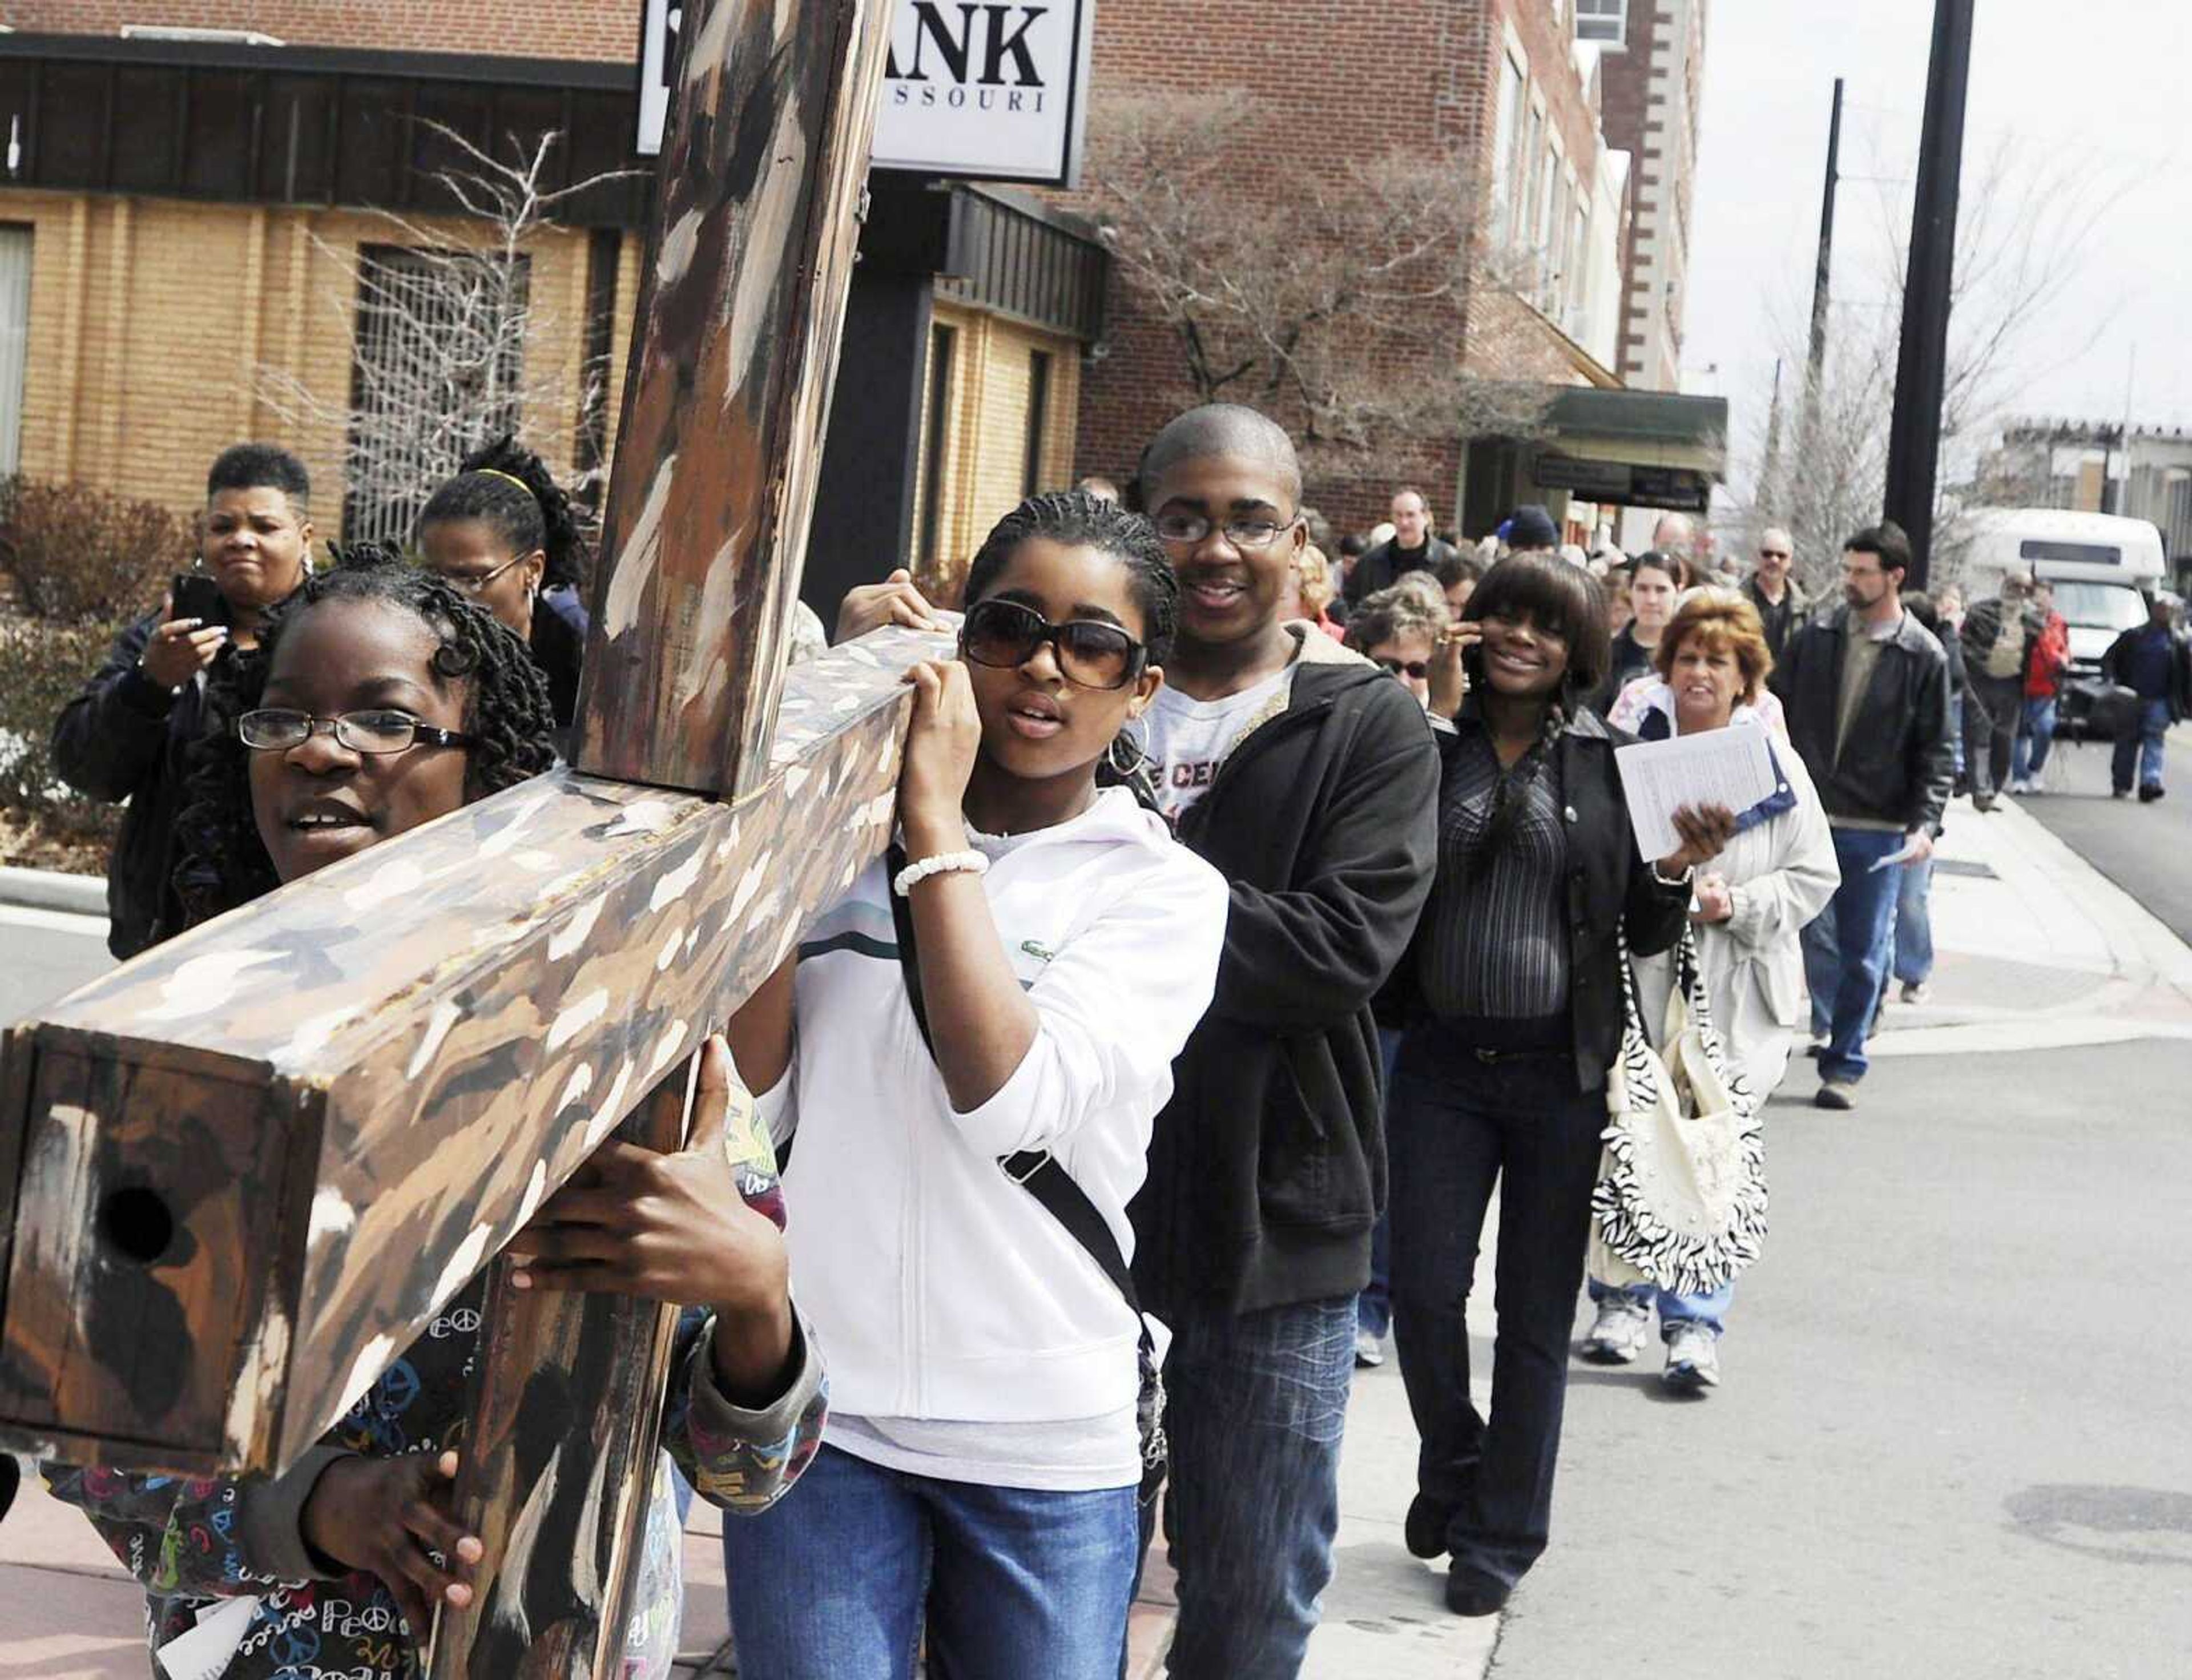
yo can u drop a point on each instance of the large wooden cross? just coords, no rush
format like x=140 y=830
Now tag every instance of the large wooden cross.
x=241 y=1173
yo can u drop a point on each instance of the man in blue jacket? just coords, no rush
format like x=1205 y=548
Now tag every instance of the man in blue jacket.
x=1309 y=778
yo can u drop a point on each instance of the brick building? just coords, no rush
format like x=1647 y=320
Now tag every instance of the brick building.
x=196 y=197
x=1509 y=88
x=191 y=193
x=1654 y=71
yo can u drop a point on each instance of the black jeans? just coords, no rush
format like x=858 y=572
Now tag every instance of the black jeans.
x=1457 y=1122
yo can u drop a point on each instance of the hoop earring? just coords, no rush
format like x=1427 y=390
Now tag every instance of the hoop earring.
x=1127 y=753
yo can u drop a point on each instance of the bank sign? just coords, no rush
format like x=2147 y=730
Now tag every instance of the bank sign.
x=980 y=89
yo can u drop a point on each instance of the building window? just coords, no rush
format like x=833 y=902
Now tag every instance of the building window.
x=15 y=340
x=437 y=370
x=940 y=342
x=1602 y=20
x=1038 y=421
x=1507 y=159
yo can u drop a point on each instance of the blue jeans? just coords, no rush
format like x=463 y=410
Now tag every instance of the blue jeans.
x=2035 y=739
x=1708 y=1309
x=1459 y=1123
x=1846 y=952
x=1256 y=1402
x=837 y=1581
x=2143 y=746
x=1914 y=923
x=1956 y=729
x=1374 y=1307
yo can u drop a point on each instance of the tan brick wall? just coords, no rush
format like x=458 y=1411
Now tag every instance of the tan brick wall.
x=985 y=433
x=153 y=322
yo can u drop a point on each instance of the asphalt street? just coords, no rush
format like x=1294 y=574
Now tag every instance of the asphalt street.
x=47 y=954
x=1949 y=1441
x=2145 y=849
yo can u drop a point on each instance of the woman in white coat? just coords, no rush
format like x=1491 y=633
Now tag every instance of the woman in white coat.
x=1751 y=905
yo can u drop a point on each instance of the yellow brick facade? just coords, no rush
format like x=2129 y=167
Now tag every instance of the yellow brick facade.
x=986 y=431
x=159 y=329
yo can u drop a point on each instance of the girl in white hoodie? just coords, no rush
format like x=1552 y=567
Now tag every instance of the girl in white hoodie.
x=978 y=1476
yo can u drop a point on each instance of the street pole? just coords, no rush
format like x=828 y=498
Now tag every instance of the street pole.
x=1914 y=441
x=1823 y=274
x=1815 y=363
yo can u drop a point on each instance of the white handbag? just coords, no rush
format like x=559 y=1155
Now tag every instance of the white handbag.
x=1680 y=1199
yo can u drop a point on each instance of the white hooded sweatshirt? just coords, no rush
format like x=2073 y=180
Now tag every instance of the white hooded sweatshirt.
x=941 y=1289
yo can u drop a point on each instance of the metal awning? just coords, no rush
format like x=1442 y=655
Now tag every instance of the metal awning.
x=1639 y=449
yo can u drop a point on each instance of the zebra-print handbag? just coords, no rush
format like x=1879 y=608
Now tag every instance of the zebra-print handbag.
x=1680 y=1199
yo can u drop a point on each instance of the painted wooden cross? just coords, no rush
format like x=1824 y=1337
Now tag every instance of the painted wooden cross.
x=241 y=1173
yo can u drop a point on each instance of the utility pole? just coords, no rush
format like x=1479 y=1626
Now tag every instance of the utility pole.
x=1815 y=366
x=1914 y=441
x=1821 y=277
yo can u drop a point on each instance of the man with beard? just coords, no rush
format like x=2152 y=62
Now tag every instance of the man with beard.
x=1308 y=779
x=1866 y=690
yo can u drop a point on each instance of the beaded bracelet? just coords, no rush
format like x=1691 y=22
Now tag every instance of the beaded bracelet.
x=943 y=863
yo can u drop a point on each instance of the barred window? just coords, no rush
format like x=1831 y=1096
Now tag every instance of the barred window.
x=436 y=371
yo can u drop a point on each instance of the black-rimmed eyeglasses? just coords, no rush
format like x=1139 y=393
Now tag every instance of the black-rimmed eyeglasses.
x=1091 y=654
x=275 y=730
x=1243 y=534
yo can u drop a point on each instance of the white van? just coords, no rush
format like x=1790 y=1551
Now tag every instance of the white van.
x=2097 y=562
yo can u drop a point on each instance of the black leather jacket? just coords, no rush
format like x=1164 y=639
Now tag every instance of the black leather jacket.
x=1898 y=762
x=125 y=737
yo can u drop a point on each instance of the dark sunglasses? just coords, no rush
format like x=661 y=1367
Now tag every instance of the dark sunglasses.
x=1774 y=554
x=1419 y=669
x=1091 y=654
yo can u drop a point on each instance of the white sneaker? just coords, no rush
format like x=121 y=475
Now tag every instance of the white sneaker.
x=1368 y=1350
x=2020 y=787
x=1617 y=1335
x=1692 y=1358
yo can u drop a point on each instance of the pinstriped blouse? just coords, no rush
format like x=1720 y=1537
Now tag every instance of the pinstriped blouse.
x=1495 y=933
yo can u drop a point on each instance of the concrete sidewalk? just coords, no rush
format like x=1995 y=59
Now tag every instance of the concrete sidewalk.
x=2035 y=949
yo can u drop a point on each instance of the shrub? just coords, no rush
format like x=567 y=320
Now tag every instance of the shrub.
x=82 y=555
x=41 y=668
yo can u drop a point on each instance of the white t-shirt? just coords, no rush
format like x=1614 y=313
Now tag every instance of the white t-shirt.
x=1189 y=739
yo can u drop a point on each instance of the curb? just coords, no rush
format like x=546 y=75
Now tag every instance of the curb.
x=49 y=889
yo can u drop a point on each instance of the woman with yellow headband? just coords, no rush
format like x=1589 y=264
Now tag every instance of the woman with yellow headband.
x=504 y=534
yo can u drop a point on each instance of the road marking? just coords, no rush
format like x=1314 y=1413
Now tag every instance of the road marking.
x=53 y=921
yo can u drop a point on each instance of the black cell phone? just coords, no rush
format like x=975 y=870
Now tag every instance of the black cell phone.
x=196 y=596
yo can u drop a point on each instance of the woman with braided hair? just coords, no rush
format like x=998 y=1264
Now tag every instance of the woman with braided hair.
x=1515 y=1018
x=504 y=533
x=985 y=1027
x=380 y=699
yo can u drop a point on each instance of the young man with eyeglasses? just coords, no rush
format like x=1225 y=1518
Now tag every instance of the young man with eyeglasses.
x=1308 y=778
x=1782 y=603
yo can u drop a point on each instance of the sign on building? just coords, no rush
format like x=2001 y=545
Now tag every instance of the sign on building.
x=974 y=89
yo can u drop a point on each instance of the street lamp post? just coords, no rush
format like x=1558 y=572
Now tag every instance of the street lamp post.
x=1914 y=444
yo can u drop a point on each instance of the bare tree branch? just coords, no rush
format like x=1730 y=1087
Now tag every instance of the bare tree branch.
x=442 y=328
x=1347 y=313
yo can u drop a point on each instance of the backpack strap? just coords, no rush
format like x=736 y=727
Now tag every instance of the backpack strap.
x=1035 y=1171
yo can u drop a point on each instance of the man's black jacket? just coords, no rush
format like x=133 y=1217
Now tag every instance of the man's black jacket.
x=125 y=737
x=1386 y=564
x=2180 y=668
x=1267 y=1168
x=1898 y=762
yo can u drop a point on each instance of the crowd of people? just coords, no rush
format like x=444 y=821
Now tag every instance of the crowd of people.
x=1258 y=903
